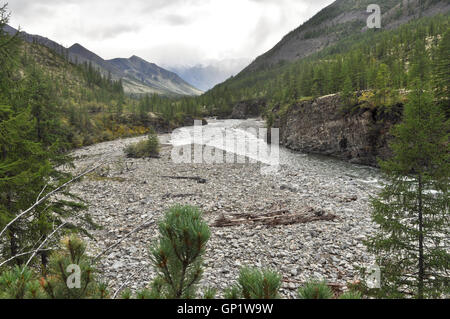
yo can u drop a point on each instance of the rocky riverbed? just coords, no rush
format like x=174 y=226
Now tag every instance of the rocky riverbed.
x=128 y=193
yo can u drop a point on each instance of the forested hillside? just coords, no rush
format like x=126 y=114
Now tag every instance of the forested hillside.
x=377 y=60
x=138 y=76
x=341 y=19
x=81 y=105
x=48 y=106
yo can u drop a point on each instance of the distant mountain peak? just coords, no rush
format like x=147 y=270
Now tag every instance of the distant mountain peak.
x=135 y=57
x=76 y=45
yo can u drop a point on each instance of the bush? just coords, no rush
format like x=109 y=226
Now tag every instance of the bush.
x=22 y=283
x=209 y=293
x=177 y=257
x=155 y=291
x=56 y=282
x=315 y=290
x=351 y=295
x=233 y=292
x=256 y=284
x=146 y=148
x=19 y=284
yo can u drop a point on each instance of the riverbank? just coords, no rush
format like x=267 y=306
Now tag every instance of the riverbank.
x=128 y=193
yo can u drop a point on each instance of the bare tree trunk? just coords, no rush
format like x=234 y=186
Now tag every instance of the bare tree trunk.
x=44 y=261
x=13 y=244
x=421 y=261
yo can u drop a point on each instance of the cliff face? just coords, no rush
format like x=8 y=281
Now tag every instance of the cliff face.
x=320 y=126
x=248 y=109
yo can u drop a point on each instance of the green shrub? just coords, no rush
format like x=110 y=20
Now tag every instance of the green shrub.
x=233 y=292
x=155 y=291
x=146 y=148
x=256 y=284
x=177 y=257
x=315 y=290
x=126 y=294
x=19 y=283
x=351 y=295
x=209 y=293
x=56 y=282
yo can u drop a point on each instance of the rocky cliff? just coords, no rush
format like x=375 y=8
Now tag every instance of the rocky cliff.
x=323 y=126
x=248 y=109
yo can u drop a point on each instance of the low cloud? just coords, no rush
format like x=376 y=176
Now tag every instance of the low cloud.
x=166 y=31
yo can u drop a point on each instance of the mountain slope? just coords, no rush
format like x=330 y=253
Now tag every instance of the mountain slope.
x=294 y=69
x=79 y=54
x=136 y=68
x=138 y=76
x=342 y=19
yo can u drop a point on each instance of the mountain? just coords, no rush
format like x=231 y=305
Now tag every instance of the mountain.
x=335 y=87
x=138 y=76
x=334 y=48
x=342 y=19
x=206 y=76
x=136 y=68
x=32 y=38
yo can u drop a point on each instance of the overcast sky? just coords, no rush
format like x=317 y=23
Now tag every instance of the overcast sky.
x=167 y=32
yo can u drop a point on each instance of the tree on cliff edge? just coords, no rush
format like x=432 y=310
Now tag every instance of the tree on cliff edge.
x=412 y=210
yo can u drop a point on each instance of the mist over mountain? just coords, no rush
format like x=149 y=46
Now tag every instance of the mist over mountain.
x=207 y=75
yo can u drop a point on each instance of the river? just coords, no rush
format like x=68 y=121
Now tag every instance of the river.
x=242 y=138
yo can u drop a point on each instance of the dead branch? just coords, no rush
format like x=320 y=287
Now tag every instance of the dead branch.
x=126 y=282
x=140 y=227
x=24 y=254
x=40 y=200
x=45 y=240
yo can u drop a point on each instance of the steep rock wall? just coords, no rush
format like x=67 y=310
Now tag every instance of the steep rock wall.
x=321 y=126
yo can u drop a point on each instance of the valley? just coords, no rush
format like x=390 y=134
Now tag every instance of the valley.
x=93 y=186
x=121 y=199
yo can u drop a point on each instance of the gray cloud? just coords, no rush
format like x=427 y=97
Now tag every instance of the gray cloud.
x=166 y=31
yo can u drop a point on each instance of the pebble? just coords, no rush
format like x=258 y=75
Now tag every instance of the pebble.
x=134 y=191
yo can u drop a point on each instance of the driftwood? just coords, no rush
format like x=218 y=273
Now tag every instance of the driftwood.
x=277 y=218
x=194 y=178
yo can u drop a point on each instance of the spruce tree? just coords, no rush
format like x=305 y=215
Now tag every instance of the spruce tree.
x=31 y=147
x=412 y=210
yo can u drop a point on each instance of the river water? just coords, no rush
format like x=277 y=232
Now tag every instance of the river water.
x=244 y=138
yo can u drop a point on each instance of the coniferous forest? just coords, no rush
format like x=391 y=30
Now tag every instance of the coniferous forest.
x=51 y=106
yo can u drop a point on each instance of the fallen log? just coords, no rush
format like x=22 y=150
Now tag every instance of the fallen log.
x=278 y=218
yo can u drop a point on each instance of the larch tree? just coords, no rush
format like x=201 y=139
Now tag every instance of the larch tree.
x=412 y=211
